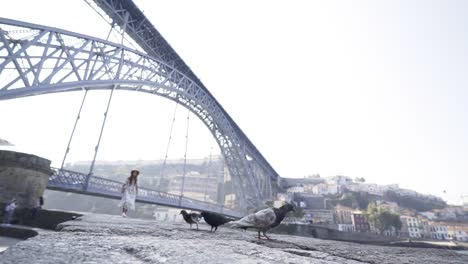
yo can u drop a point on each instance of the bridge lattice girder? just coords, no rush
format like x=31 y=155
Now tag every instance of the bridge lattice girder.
x=38 y=60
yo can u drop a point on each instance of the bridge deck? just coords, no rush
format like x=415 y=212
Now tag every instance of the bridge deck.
x=71 y=181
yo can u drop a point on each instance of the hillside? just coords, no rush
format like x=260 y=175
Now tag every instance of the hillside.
x=4 y=142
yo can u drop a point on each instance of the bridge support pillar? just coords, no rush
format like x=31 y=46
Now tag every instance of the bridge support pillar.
x=22 y=176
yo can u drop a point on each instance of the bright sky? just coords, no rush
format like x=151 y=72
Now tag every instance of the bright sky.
x=374 y=89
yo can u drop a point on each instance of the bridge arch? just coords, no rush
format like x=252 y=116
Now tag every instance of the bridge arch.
x=45 y=60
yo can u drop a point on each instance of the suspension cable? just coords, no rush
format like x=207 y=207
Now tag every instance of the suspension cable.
x=161 y=176
x=74 y=128
x=91 y=168
x=185 y=154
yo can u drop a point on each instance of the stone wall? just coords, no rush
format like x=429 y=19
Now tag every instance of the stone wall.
x=22 y=176
x=323 y=232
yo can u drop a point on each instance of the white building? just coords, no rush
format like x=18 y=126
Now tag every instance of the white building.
x=371 y=188
x=339 y=180
x=429 y=215
x=346 y=227
x=459 y=235
x=297 y=189
x=465 y=201
x=323 y=189
x=439 y=232
x=413 y=226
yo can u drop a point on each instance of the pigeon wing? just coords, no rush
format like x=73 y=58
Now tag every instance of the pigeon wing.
x=260 y=219
x=195 y=217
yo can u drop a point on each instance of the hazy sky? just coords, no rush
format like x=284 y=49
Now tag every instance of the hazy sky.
x=375 y=89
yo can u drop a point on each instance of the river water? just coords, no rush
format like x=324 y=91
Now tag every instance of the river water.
x=6 y=242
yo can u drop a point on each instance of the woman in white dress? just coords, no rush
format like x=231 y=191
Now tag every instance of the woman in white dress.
x=129 y=193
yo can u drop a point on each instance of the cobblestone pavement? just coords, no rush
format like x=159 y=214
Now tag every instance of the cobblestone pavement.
x=112 y=239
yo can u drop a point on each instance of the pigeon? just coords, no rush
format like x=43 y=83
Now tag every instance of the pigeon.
x=214 y=220
x=192 y=218
x=264 y=220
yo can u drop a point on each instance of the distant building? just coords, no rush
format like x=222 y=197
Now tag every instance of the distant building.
x=295 y=189
x=346 y=227
x=465 y=201
x=343 y=215
x=324 y=189
x=308 y=200
x=459 y=235
x=360 y=222
x=425 y=228
x=429 y=215
x=370 y=188
x=458 y=231
x=452 y=213
x=293 y=182
x=196 y=186
x=439 y=231
x=318 y=216
x=339 y=180
x=411 y=227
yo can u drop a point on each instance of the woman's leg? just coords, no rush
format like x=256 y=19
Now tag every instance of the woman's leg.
x=9 y=216
x=124 y=210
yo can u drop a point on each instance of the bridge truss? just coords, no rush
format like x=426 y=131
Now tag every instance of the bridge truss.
x=38 y=60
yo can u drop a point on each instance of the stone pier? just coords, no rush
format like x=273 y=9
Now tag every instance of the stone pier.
x=22 y=176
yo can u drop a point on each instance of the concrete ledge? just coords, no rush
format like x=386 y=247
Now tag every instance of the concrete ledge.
x=25 y=161
x=323 y=232
x=17 y=232
x=48 y=219
x=44 y=219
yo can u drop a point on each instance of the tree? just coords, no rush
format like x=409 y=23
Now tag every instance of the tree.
x=360 y=179
x=418 y=203
x=382 y=219
x=298 y=212
x=269 y=203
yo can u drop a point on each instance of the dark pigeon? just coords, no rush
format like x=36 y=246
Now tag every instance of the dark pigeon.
x=214 y=220
x=264 y=220
x=191 y=218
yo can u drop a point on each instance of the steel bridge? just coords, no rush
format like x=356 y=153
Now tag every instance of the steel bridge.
x=36 y=59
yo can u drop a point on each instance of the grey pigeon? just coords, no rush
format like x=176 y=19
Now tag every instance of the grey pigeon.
x=191 y=218
x=264 y=220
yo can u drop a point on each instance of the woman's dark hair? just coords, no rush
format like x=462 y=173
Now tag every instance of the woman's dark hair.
x=133 y=179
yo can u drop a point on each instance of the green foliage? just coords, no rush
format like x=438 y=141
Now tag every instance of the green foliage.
x=382 y=219
x=356 y=200
x=269 y=203
x=420 y=204
x=298 y=212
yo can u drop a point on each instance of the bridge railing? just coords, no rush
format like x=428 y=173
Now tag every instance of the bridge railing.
x=71 y=181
